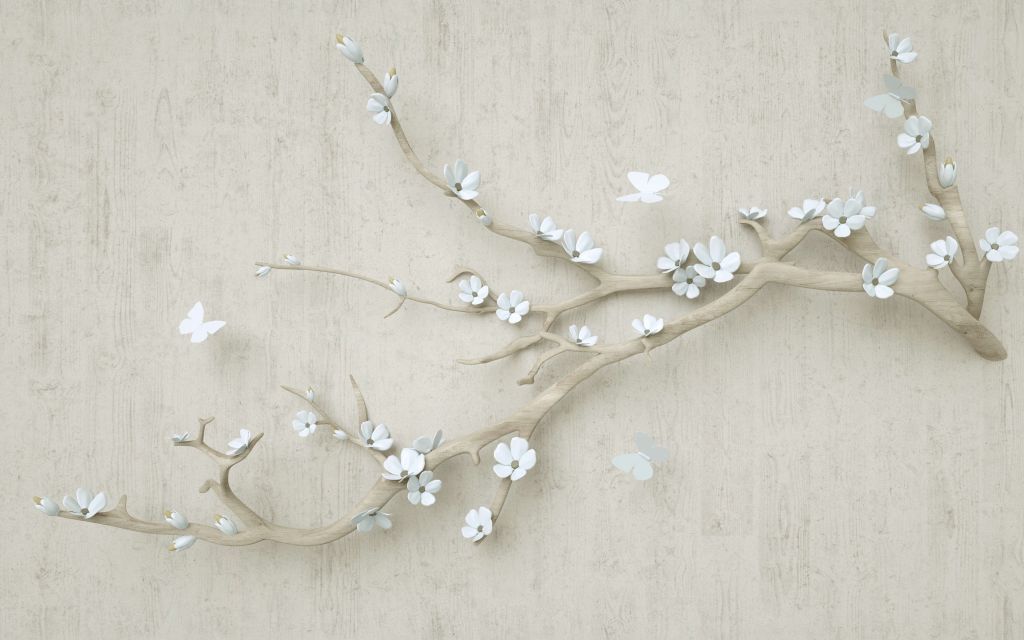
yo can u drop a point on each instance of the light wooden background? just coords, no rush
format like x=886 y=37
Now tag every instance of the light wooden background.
x=840 y=468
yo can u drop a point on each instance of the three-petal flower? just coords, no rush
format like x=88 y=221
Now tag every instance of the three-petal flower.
x=649 y=325
x=581 y=336
x=85 y=504
x=811 y=209
x=366 y=520
x=581 y=249
x=753 y=213
x=545 y=229
x=675 y=256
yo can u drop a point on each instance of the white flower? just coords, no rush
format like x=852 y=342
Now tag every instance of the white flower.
x=47 y=506
x=901 y=50
x=649 y=325
x=842 y=218
x=85 y=504
x=483 y=217
x=396 y=285
x=350 y=48
x=375 y=437
x=366 y=520
x=580 y=249
x=675 y=256
x=809 y=211
x=310 y=394
x=545 y=229
x=340 y=435
x=292 y=260
x=241 y=443
x=514 y=461
x=225 y=524
x=512 y=307
x=582 y=336
x=688 y=282
x=473 y=291
x=461 y=182
x=426 y=444
x=478 y=524
x=947 y=173
x=878 y=279
x=410 y=464
x=181 y=543
x=390 y=83
x=175 y=519
x=304 y=423
x=943 y=252
x=934 y=212
x=916 y=134
x=753 y=213
x=422 y=489
x=180 y=437
x=263 y=271
x=999 y=245
x=380 y=107
x=715 y=264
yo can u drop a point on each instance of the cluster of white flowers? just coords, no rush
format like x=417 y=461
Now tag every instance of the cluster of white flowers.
x=409 y=466
x=810 y=210
x=715 y=263
x=579 y=249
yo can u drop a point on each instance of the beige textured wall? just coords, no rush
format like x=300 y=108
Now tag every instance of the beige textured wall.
x=840 y=468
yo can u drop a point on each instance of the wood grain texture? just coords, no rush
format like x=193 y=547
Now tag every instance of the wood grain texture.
x=840 y=469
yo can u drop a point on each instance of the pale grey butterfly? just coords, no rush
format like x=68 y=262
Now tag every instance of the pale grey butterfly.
x=639 y=463
x=647 y=187
x=195 y=324
x=891 y=102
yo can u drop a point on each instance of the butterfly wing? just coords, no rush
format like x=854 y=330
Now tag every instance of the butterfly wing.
x=650 y=448
x=650 y=198
x=639 y=179
x=884 y=103
x=656 y=183
x=194 y=319
x=894 y=109
x=643 y=470
x=207 y=329
x=892 y=83
x=632 y=197
x=626 y=461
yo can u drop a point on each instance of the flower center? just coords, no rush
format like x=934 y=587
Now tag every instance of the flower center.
x=369 y=441
x=515 y=464
x=423 y=489
x=996 y=246
x=874 y=281
x=716 y=266
x=575 y=254
x=689 y=281
x=948 y=258
x=679 y=263
x=918 y=138
x=842 y=219
x=480 y=528
x=458 y=186
x=895 y=54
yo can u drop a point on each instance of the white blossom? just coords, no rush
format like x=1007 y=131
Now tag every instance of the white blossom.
x=349 y=48
x=999 y=245
x=380 y=107
x=916 y=134
x=47 y=506
x=396 y=285
x=934 y=212
x=687 y=282
x=304 y=423
x=843 y=218
x=175 y=519
x=375 y=437
x=753 y=213
x=366 y=520
x=479 y=524
x=515 y=461
x=943 y=252
x=901 y=50
x=473 y=291
x=241 y=443
x=421 y=489
x=879 y=278
x=649 y=326
x=716 y=264
x=390 y=83
x=410 y=464
x=675 y=256
x=512 y=307
x=947 y=173
x=310 y=394
x=581 y=249
x=426 y=444
x=582 y=336
x=85 y=504
x=483 y=217
x=462 y=183
x=225 y=524
x=810 y=210
x=263 y=272
x=339 y=434
x=181 y=543
x=292 y=260
x=180 y=437
x=545 y=229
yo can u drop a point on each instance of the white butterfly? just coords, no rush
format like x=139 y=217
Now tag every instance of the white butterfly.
x=194 y=324
x=640 y=462
x=891 y=102
x=647 y=185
